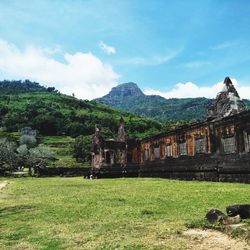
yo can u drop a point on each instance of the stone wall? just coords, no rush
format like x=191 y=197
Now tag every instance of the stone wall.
x=209 y=150
x=229 y=168
x=68 y=172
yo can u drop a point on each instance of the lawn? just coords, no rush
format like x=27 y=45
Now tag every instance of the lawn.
x=73 y=213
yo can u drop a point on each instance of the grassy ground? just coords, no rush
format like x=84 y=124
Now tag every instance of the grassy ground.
x=72 y=213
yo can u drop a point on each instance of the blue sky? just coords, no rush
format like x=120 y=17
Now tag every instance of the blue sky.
x=171 y=48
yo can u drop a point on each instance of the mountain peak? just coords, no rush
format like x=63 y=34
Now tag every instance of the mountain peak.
x=120 y=93
x=126 y=90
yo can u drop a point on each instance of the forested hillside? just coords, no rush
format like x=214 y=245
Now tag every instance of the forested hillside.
x=128 y=97
x=27 y=103
x=13 y=87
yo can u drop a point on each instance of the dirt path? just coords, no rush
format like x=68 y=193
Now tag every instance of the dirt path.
x=209 y=239
x=3 y=184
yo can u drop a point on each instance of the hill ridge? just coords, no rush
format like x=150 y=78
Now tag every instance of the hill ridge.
x=52 y=113
x=158 y=107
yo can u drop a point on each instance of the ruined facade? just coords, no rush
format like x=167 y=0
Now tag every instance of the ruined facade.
x=111 y=152
x=227 y=102
x=215 y=149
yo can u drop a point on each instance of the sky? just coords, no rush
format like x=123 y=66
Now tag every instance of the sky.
x=174 y=49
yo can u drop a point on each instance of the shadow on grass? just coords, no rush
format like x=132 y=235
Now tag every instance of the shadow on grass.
x=15 y=209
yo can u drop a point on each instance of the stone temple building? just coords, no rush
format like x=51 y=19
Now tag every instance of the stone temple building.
x=216 y=149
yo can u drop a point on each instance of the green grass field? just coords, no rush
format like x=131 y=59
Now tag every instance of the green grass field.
x=73 y=213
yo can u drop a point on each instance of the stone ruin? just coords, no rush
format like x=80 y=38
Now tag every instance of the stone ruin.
x=233 y=219
x=227 y=102
x=216 y=149
x=122 y=134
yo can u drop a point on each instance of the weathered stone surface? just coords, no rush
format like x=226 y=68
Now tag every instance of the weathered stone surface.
x=216 y=149
x=227 y=102
x=240 y=209
x=122 y=135
x=96 y=149
x=227 y=220
x=110 y=152
x=96 y=141
x=214 y=215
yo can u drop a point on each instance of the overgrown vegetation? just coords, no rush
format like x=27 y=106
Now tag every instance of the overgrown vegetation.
x=55 y=116
x=13 y=87
x=73 y=213
x=52 y=113
x=26 y=152
x=62 y=147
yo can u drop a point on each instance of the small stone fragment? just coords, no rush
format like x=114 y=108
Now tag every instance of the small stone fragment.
x=227 y=220
x=214 y=215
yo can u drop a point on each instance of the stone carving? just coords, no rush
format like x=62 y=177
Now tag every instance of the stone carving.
x=227 y=102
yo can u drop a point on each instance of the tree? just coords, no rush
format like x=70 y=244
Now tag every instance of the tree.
x=35 y=158
x=39 y=156
x=28 y=136
x=23 y=155
x=8 y=154
x=82 y=148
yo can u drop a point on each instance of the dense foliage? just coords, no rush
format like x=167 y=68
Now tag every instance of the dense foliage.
x=52 y=113
x=82 y=148
x=9 y=87
x=24 y=152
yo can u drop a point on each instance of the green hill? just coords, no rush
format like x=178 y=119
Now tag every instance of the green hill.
x=60 y=119
x=13 y=87
x=51 y=113
x=128 y=97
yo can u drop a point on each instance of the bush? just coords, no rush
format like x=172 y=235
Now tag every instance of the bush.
x=8 y=154
x=82 y=148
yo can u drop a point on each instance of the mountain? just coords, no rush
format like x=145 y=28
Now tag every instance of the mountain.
x=128 y=97
x=119 y=94
x=52 y=113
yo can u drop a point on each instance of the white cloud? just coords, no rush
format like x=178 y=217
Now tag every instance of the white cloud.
x=189 y=89
x=150 y=60
x=83 y=74
x=109 y=50
x=224 y=45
